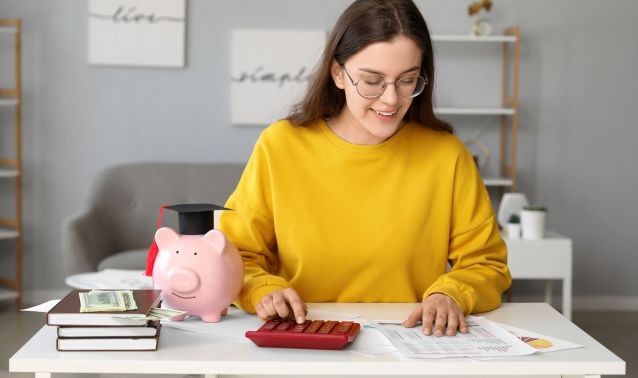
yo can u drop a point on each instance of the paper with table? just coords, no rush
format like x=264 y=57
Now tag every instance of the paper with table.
x=483 y=339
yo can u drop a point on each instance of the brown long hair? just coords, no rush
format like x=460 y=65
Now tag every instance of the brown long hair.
x=362 y=23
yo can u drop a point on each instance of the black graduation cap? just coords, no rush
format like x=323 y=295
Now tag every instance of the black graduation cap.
x=195 y=218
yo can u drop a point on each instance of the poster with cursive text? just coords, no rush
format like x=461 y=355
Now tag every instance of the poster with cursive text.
x=270 y=70
x=137 y=32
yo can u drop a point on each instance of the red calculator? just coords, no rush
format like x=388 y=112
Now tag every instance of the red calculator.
x=312 y=334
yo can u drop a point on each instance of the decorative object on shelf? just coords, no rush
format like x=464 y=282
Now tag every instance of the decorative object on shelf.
x=480 y=26
x=514 y=226
x=263 y=85
x=137 y=32
x=511 y=203
x=533 y=222
x=482 y=159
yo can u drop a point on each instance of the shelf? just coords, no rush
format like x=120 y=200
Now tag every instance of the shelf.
x=8 y=29
x=8 y=172
x=8 y=101
x=497 y=181
x=472 y=38
x=8 y=233
x=6 y=294
x=475 y=111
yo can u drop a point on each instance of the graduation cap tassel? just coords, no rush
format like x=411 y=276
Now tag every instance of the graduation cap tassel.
x=153 y=250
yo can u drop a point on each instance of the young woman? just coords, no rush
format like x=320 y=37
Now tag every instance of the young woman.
x=362 y=194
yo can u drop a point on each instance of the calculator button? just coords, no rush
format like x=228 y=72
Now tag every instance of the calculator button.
x=270 y=325
x=284 y=325
x=341 y=328
x=298 y=328
x=327 y=327
x=353 y=331
x=314 y=326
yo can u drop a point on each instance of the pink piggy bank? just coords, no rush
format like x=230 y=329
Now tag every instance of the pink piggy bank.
x=200 y=274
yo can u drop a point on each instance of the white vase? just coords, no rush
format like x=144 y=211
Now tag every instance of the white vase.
x=533 y=224
x=511 y=203
x=514 y=230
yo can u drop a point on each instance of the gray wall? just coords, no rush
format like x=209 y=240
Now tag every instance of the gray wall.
x=578 y=129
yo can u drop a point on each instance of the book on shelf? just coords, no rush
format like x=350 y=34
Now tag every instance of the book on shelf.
x=89 y=344
x=67 y=311
x=150 y=329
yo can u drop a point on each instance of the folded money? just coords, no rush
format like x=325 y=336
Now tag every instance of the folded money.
x=158 y=314
x=107 y=301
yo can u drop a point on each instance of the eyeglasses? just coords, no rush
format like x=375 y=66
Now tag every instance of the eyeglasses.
x=374 y=86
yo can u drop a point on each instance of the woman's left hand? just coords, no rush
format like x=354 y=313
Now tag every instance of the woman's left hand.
x=441 y=311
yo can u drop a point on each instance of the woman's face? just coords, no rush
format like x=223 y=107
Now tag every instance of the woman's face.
x=372 y=121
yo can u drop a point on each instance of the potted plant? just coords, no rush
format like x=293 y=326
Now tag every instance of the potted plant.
x=514 y=226
x=533 y=222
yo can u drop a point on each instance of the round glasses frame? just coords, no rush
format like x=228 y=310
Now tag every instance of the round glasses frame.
x=384 y=86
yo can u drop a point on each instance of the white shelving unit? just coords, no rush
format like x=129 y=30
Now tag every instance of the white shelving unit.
x=474 y=111
x=8 y=102
x=10 y=170
x=7 y=233
x=473 y=38
x=509 y=110
x=497 y=181
x=7 y=172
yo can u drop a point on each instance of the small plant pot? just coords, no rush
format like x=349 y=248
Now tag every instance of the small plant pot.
x=514 y=230
x=533 y=224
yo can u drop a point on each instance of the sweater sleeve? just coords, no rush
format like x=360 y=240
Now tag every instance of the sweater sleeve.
x=250 y=227
x=477 y=254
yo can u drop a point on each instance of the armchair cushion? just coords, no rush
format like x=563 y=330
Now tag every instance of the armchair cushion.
x=133 y=259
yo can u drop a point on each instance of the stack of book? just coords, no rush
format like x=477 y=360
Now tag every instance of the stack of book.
x=110 y=330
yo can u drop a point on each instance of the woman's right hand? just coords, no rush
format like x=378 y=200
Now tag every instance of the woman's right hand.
x=280 y=303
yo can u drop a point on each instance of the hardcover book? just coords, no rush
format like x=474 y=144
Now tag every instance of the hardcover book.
x=88 y=344
x=67 y=311
x=150 y=329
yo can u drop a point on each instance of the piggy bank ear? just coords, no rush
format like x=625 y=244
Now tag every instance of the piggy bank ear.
x=217 y=239
x=165 y=236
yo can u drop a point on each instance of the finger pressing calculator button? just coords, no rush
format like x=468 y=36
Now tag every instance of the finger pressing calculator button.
x=327 y=327
x=298 y=328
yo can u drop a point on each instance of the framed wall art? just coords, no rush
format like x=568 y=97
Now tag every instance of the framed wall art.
x=270 y=70
x=137 y=32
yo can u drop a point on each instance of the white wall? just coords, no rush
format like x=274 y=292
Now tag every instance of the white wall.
x=578 y=125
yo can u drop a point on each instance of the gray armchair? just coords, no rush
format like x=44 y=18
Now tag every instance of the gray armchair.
x=118 y=227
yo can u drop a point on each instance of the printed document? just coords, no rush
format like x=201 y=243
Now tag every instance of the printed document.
x=542 y=343
x=483 y=339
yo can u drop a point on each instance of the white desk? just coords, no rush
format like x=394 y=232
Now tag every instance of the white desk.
x=545 y=259
x=191 y=353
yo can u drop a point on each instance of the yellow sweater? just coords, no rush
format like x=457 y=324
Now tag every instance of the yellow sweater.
x=340 y=222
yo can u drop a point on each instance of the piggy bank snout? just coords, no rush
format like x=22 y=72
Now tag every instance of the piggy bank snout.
x=183 y=280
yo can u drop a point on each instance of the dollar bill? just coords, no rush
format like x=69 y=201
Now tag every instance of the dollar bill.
x=165 y=312
x=129 y=299
x=101 y=301
x=156 y=314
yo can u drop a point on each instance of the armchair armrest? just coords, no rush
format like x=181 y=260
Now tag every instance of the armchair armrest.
x=84 y=243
